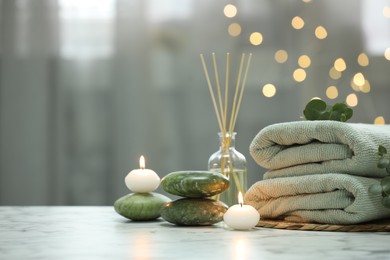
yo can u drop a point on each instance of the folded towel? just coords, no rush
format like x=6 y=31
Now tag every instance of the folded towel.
x=322 y=198
x=310 y=147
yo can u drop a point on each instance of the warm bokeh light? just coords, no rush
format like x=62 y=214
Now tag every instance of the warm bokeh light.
x=386 y=11
x=297 y=23
x=299 y=75
x=366 y=87
x=256 y=38
x=379 y=120
x=358 y=79
x=332 y=92
x=340 y=65
x=321 y=32
x=387 y=53
x=352 y=100
x=269 y=90
x=234 y=29
x=281 y=56
x=354 y=86
x=304 y=61
x=306 y=1
x=363 y=59
x=334 y=74
x=230 y=11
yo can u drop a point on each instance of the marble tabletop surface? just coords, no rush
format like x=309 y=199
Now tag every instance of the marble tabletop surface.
x=100 y=233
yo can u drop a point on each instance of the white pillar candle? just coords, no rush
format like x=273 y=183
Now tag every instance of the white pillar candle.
x=142 y=180
x=240 y=216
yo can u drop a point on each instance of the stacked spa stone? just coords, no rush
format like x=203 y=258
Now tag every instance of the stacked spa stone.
x=196 y=208
x=141 y=206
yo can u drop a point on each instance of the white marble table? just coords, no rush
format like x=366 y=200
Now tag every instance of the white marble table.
x=99 y=233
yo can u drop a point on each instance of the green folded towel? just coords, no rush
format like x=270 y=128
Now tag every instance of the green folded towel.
x=310 y=147
x=331 y=198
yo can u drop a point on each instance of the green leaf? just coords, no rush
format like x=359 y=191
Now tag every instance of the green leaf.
x=385 y=183
x=386 y=201
x=375 y=189
x=314 y=109
x=382 y=150
x=317 y=109
x=383 y=163
x=348 y=112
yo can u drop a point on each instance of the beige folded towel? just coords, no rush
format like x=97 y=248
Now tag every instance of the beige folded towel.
x=322 y=198
x=310 y=147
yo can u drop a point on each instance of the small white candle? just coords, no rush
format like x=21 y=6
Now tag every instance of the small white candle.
x=240 y=216
x=142 y=180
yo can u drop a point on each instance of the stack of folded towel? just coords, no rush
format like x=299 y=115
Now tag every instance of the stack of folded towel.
x=319 y=171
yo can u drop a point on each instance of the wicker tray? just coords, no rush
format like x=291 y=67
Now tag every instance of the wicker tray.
x=377 y=226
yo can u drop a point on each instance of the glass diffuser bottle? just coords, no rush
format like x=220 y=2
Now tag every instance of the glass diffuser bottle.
x=231 y=163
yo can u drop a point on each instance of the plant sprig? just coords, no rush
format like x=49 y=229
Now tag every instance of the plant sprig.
x=384 y=186
x=317 y=109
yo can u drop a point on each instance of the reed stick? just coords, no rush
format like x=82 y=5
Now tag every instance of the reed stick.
x=242 y=89
x=235 y=94
x=226 y=88
x=218 y=90
x=211 y=92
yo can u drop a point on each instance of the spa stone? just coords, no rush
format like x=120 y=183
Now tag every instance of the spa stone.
x=194 y=184
x=194 y=211
x=141 y=206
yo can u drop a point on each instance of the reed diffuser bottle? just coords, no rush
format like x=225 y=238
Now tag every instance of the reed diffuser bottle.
x=231 y=163
x=227 y=160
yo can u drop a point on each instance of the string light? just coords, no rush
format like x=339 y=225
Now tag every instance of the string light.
x=340 y=65
x=304 y=61
x=256 y=38
x=321 y=32
x=230 y=11
x=269 y=90
x=234 y=29
x=299 y=75
x=379 y=120
x=363 y=59
x=332 y=92
x=297 y=23
x=281 y=56
x=352 y=100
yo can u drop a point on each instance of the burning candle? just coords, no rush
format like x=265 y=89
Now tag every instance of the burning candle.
x=142 y=180
x=241 y=216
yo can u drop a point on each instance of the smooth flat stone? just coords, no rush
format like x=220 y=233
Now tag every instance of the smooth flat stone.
x=141 y=206
x=194 y=184
x=194 y=212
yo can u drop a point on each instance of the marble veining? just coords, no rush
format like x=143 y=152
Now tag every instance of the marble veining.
x=100 y=233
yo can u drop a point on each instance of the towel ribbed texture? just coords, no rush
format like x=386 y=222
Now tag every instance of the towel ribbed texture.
x=309 y=147
x=319 y=171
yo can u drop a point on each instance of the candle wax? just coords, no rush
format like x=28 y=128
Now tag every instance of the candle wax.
x=241 y=217
x=142 y=180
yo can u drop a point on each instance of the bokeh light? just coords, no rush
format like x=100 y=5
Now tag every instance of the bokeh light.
x=387 y=53
x=299 y=75
x=297 y=23
x=281 y=56
x=358 y=79
x=256 y=38
x=379 y=120
x=363 y=59
x=334 y=74
x=230 y=11
x=354 y=86
x=332 y=92
x=304 y=61
x=269 y=90
x=340 y=65
x=321 y=32
x=366 y=87
x=386 y=11
x=234 y=29
x=352 y=100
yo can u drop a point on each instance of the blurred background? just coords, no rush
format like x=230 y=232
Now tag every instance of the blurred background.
x=87 y=87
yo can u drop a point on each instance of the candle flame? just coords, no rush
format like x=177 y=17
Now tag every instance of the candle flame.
x=240 y=199
x=142 y=162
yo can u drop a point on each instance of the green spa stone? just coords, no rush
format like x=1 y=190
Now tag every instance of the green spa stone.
x=141 y=206
x=194 y=211
x=194 y=184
